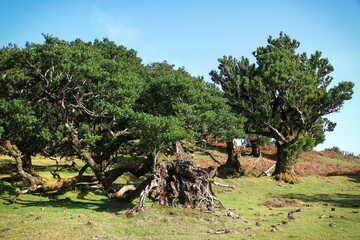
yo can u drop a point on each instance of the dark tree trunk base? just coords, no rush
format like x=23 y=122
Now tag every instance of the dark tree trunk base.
x=232 y=167
x=287 y=178
x=178 y=184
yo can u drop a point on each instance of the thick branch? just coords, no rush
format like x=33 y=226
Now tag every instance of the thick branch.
x=7 y=145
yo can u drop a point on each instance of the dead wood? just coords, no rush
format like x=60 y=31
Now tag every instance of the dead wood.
x=179 y=183
x=120 y=194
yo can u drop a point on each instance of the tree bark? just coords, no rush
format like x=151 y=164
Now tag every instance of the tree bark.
x=177 y=184
x=284 y=164
x=232 y=161
x=255 y=147
x=8 y=146
x=85 y=155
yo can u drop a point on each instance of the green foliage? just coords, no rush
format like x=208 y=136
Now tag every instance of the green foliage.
x=199 y=106
x=285 y=95
x=157 y=132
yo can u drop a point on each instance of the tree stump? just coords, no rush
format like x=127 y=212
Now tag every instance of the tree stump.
x=181 y=184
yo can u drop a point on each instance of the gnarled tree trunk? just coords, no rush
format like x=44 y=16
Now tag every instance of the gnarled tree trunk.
x=232 y=165
x=178 y=184
x=255 y=147
x=19 y=165
x=284 y=169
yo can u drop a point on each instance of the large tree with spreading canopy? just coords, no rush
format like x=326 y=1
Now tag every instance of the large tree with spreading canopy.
x=285 y=95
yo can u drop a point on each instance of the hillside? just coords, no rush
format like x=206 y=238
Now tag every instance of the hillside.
x=324 y=205
x=312 y=163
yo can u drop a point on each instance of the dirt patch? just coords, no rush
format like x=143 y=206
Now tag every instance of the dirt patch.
x=309 y=164
x=281 y=202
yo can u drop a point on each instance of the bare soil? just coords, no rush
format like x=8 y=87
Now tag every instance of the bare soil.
x=309 y=164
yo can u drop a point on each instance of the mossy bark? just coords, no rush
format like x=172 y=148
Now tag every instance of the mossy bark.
x=284 y=170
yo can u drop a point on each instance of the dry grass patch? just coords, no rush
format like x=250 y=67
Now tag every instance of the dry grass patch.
x=281 y=202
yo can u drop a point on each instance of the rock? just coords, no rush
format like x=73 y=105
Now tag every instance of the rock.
x=278 y=229
x=38 y=218
x=31 y=214
x=90 y=223
x=279 y=214
x=42 y=208
x=321 y=216
x=326 y=204
x=273 y=230
x=24 y=221
x=332 y=225
x=333 y=209
x=331 y=216
x=72 y=217
x=284 y=222
x=221 y=231
x=5 y=229
x=248 y=229
x=291 y=216
x=298 y=210
x=230 y=214
x=258 y=224
x=355 y=212
x=16 y=207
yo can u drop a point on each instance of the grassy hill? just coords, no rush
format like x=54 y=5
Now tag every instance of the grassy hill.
x=325 y=205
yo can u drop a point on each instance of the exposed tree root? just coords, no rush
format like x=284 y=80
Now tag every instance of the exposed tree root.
x=178 y=184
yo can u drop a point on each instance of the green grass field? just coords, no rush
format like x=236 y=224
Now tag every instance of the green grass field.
x=328 y=208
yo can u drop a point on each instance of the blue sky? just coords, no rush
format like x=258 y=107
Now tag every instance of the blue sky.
x=194 y=34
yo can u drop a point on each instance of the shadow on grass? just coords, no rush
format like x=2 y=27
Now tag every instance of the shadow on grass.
x=98 y=205
x=355 y=179
x=80 y=199
x=334 y=199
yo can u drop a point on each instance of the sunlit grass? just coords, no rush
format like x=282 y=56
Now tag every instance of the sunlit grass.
x=83 y=214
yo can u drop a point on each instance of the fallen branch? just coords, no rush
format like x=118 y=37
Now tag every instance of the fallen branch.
x=260 y=157
x=267 y=172
x=223 y=185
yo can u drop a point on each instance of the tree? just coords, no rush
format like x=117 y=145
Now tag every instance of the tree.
x=157 y=132
x=284 y=96
x=82 y=94
x=198 y=107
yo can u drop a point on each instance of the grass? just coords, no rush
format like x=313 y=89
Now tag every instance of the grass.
x=89 y=215
x=349 y=161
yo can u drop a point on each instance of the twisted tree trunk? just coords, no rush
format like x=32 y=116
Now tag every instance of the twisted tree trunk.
x=178 y=184
x=19 y=165
x=284 y=169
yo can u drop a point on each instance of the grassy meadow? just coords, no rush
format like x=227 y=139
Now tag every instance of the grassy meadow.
x=325 y=207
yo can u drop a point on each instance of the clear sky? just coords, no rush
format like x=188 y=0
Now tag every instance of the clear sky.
x=195 y=33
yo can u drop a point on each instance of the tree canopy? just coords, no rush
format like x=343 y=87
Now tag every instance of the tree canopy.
x=285 y=95
x=94 y=100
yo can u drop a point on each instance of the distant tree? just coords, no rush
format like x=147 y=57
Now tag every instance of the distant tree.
x=284 y=96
